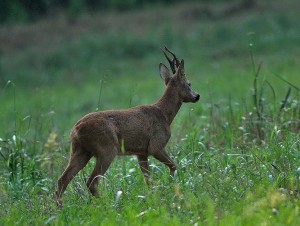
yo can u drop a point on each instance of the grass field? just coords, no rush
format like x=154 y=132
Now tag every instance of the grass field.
x=238 y=157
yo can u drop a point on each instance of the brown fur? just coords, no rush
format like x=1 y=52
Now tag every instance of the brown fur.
x=143 y=130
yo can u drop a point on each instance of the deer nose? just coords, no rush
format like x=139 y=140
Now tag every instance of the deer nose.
x=197 y=97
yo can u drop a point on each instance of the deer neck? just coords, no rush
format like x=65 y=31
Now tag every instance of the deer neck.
x=169 y=104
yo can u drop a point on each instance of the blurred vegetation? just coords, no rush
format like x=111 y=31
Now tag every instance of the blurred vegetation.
x=23 y=10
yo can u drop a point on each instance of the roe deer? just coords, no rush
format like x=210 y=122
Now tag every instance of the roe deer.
x=143 y=130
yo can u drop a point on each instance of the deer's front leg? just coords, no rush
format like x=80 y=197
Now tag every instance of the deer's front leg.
x=163 y=157
x=144 y=166
x=158 y=152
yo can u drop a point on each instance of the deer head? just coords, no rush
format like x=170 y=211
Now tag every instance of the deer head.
x=177 y=79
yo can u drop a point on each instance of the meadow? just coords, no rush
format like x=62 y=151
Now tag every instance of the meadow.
x=236 y=150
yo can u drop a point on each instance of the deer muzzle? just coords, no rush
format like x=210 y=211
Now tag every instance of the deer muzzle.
x=196 y=97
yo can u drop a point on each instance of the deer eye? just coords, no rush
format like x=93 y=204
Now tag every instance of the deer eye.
x=189 y=84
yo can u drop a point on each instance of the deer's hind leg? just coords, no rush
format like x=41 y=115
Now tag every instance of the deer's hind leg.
x=78 y=160
x=105 y=154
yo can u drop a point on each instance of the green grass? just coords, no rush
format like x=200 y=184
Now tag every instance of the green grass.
x=235 y=167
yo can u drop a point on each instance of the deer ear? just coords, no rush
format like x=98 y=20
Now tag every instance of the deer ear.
x=164 y=73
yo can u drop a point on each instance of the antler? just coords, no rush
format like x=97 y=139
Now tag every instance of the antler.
x=174 y=64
